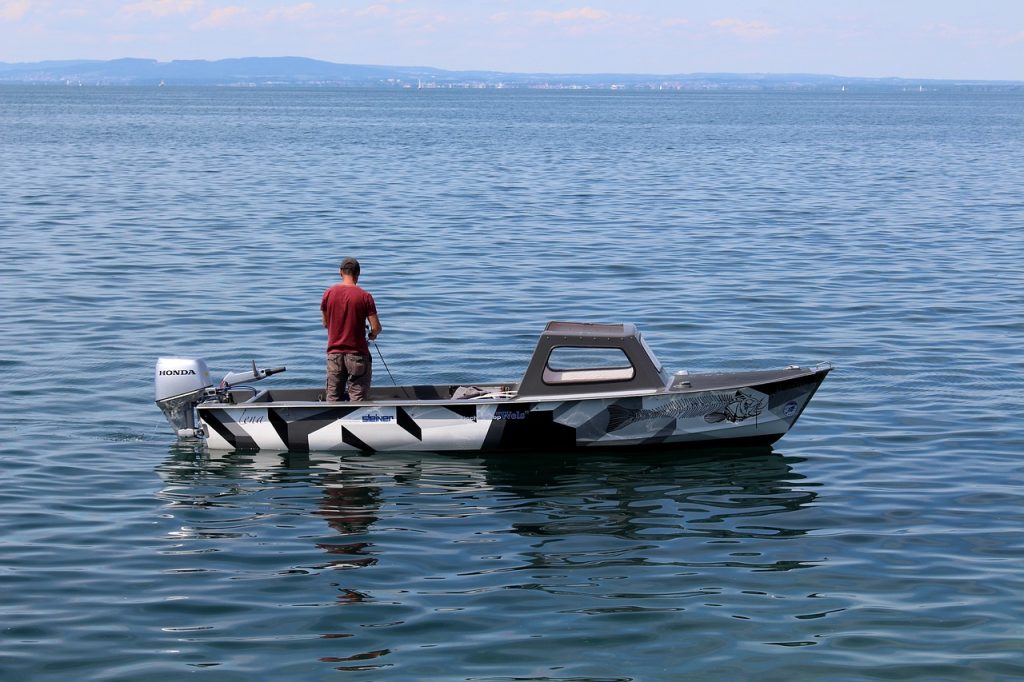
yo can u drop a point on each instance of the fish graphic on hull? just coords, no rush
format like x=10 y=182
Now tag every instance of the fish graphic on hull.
x=730 y=406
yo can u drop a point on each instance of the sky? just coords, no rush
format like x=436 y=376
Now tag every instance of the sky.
x=945 y=39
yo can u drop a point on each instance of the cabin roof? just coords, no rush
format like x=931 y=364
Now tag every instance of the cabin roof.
x=590 y=329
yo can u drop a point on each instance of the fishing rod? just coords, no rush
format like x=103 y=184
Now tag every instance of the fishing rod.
x=381 y=356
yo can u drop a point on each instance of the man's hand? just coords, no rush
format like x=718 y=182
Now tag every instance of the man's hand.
x=374 y=327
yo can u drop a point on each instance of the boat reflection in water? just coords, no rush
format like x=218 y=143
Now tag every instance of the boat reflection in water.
x=412 y=537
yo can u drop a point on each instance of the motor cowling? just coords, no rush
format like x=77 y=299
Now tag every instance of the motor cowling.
x=180 y=385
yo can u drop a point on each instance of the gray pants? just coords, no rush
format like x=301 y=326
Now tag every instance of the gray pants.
x=349 y=372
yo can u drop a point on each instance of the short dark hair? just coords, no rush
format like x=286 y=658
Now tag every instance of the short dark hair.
x=350 y=266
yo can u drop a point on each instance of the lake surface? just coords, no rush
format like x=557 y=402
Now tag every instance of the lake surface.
x=881 y=539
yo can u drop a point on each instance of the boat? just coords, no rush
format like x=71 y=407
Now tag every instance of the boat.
x=587 y=385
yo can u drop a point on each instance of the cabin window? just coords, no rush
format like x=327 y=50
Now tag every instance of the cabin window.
x=576 y=365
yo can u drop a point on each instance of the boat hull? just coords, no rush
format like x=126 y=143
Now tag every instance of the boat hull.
x=710 y=411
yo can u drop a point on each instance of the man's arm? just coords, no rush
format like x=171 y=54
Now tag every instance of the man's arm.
x=323 y=318
x=374 y=327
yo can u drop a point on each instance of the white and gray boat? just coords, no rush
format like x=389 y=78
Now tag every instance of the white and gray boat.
x=586 y=386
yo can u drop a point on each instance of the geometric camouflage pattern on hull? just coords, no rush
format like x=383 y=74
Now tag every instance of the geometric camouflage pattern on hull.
x=745 y=415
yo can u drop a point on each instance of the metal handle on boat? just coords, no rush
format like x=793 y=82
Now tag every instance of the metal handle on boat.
x=255 y=374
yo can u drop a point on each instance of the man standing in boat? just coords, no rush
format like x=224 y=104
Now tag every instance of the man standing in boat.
x=345 y=309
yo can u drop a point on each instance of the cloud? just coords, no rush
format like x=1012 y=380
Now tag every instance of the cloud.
x=574 y=15
x=423 y=21
x=745 y=29
x=73 y=12
x=417 y=20
x=290 y=13
x=577 y=21
x=162 y=8
x=674 y=22
x=221 y=16
x=13 y=10
x=378 y=10
x=383 y=8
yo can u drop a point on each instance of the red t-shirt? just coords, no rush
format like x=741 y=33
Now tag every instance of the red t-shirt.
x=346 y=307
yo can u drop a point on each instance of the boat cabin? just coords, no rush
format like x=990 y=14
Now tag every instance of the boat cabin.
x=583 y=357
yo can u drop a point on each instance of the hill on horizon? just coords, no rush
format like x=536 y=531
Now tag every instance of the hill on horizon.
x=270 y=71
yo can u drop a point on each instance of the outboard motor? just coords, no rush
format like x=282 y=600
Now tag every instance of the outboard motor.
x=181 y=384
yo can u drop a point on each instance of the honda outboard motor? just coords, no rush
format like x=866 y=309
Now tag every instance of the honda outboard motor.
x=181 y=384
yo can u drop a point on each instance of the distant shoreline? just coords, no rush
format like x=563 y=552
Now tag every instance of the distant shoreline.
x=724 y=90
x=293 y=71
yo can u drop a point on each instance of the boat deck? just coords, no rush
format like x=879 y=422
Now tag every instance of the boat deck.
x=492 y=392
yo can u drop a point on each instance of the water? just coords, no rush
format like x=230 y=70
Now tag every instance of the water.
x=880 y=539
